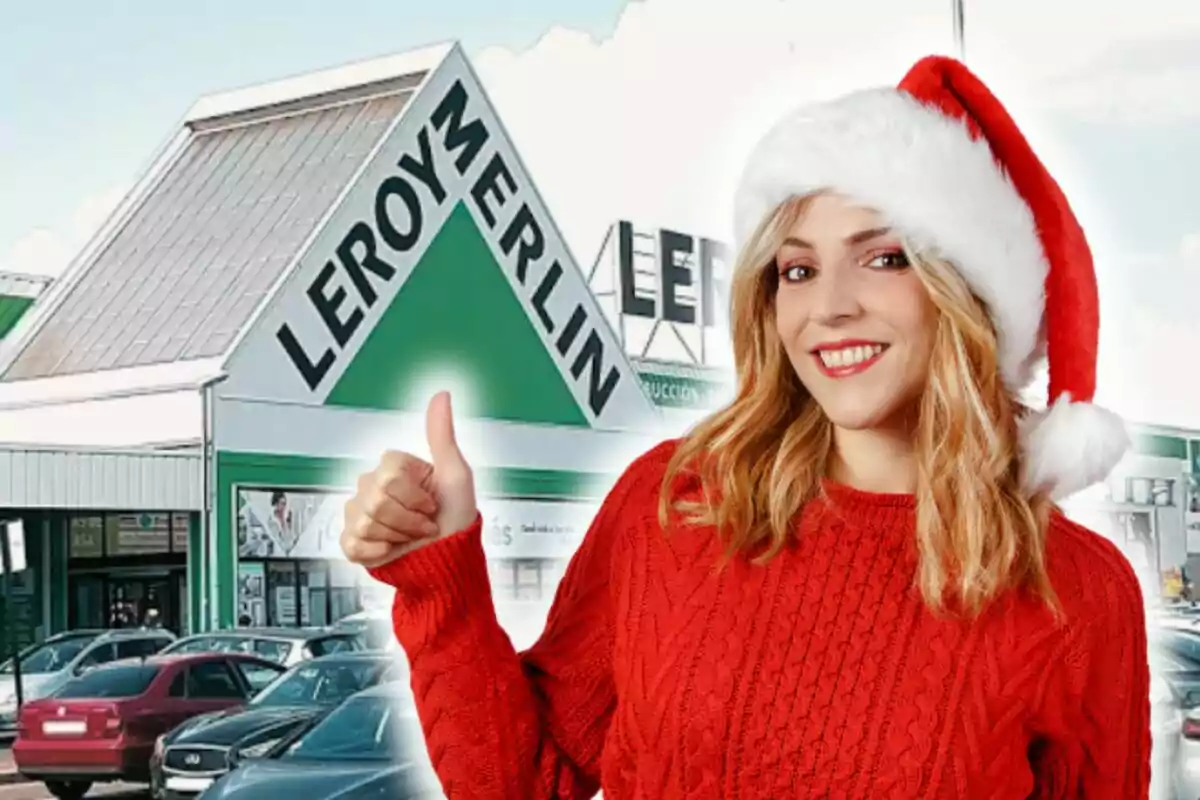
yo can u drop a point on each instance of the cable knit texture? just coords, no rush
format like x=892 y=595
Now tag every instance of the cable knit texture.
x=819 y=674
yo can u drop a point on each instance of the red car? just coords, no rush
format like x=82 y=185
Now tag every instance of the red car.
x=102 y=725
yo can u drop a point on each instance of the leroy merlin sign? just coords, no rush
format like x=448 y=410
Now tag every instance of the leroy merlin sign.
x=446 y=153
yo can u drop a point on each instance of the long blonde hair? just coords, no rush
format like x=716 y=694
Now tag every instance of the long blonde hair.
x=760 y=459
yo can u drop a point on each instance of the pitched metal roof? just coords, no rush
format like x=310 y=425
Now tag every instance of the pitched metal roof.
x=217 y=221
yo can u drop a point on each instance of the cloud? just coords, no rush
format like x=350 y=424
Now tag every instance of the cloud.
x=45 y=251
x=652 y=121
x=1150 y=337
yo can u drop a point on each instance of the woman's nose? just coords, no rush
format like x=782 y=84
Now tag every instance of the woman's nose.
x=836 y=296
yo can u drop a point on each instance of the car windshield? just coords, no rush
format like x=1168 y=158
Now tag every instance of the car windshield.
x=334 y=644
x=361 y=729
x=212 y=644
x=318 y=684
x=51 y=656
x=110 y=682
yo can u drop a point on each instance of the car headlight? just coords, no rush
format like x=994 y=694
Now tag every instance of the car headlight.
x=259 y=749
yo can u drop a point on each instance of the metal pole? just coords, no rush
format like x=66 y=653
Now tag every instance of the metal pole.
x=10 y=641
x=207 y=504
x=202 y=624
x=960 y=46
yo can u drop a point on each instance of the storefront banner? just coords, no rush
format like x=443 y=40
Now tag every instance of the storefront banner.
x=287 y=524
x=533 y=529
x=281 y=523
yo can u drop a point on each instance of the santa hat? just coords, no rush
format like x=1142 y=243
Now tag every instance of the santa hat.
x=940 y=158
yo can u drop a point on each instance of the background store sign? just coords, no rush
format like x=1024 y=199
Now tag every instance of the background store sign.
x=679 y=262
x=674 y=391
x=532 y=529
x=277 y=523
x=447 y=150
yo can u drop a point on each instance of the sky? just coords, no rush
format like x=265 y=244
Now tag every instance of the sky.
x=645 y=109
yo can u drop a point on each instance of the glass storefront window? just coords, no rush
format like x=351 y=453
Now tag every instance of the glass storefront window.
x=314 y=593
x=529 y=580
x=343 y=590
x=281 y=580
x=502 y=573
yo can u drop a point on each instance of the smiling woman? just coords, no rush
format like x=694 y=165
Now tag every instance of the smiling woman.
x=852 y=580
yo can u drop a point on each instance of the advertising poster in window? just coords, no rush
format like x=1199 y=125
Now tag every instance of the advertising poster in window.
x=282 y=523
x=252 y=596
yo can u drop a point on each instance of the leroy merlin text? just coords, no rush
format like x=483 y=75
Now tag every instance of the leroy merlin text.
x=371 y=247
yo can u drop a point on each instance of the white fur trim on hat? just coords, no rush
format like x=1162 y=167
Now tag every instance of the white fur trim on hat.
x=938 y=187
x=1071 y=446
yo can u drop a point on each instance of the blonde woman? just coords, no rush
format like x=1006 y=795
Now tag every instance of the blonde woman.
x=853 y=581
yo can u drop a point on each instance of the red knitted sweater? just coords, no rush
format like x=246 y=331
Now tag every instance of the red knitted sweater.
x=819 y=674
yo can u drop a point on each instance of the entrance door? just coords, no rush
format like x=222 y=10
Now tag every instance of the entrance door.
x=89 y=606
x=145 y=593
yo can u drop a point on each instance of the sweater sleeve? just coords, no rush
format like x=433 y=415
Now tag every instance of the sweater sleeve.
x=1115 y=718
x=501 y=724
x=1097 y=705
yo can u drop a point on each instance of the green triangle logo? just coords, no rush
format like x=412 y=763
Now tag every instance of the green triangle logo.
x=457 y=309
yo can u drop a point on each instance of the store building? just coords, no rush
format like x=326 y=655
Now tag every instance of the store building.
x=185 y=410
x=303 y=264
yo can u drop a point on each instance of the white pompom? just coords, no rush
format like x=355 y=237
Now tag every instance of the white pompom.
x=1071 y=446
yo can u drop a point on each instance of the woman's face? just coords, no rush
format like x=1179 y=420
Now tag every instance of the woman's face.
x=853 y=316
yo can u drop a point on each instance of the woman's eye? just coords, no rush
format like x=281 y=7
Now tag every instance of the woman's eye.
x=795 y=273
x=891 y=259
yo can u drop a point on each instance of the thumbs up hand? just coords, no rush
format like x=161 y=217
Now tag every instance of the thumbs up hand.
x=407 y=502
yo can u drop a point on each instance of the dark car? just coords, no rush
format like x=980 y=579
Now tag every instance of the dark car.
x=102 y=725
x=369 y=746
x=196 y=753
x=286 y=646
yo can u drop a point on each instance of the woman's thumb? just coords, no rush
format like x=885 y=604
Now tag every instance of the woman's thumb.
x=439 y=432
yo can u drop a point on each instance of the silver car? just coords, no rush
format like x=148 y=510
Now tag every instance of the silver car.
x=285 y=646
x=48 y=665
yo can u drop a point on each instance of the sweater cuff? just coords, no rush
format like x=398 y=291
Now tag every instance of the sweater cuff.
x=451 y=571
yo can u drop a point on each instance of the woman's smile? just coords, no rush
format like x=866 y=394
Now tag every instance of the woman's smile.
x=847 y=357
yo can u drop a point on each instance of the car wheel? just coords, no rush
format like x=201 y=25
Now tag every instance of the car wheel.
x=68 y=790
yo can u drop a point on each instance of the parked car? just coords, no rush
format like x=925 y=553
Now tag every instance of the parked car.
x=374 y=628
x=369 y=746
x=187 y=760
x=1175 y=655
x=286 y=646
x=49 y=665
x=102 y=725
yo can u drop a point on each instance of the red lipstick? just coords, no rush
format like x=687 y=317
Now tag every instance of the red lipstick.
x=846 y=370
